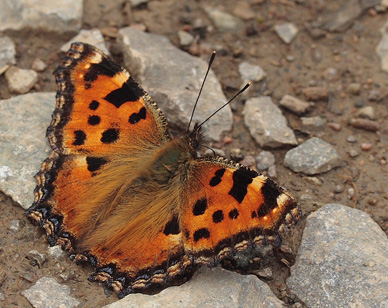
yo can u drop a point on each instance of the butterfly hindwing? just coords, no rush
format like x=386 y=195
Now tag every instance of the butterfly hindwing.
x=230 y=207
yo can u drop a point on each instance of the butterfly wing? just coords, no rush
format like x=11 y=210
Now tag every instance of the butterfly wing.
x=229 y=208
x=103 y=129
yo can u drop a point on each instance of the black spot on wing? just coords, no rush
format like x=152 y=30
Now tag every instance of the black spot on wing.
x=200 y=207
x=79 y=137
x=94 y=105
x=233 y=214
x=241 y=179
x=172 y=227
x=130 y=91
x=201 y=233
x=218 y=216
x=136 y=117
x=95 y=163
x=270 y=193
x=94 y=120
x=216 y=179
x=106 y=67
x=110 y=135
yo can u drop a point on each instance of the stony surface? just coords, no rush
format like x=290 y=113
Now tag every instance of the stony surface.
x=20 y=81
x=295 y=105
x=7 y=52
x=286 y=31
x=266 y=123
x=48 y=293
x=251 y=72
x=149 y=56
x=314 y=156
x=23 y=123
x=223 y=21
x=342 y=260
x=92 y=37
x=45 y=15
x=209 y=288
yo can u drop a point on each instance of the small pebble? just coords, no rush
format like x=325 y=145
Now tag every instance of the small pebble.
x=227 y=140
x=371 y=158
x=248 y=161
x=15 y=225
x=367 y=112
x=351 y=139
x=353 y=153
x=351 y=192
x=338 y=189
x=366 y=146
x=38 y=65
x=315 y=93
x=354 y=88
x=372 y=202
x=365 y=124
x=374 y=95
x=360 y=103
x=236 y=154
x=271 y=172
x=335 y=126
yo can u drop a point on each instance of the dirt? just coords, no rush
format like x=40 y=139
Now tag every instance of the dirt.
x=360 y=184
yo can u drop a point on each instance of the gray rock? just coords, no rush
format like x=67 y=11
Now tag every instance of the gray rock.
x=20 y=81
x=265 y=160
x=208 y=288
x=295 y=105
x=185 y=38
x=7 y=51
x=224 y=21
x=23 y=123
x=286 y=31
x=344 y=17
x=382 y=47
x=314 y=156
x=342 y=260
x=93 y=37
x=313 y=125
x=266 y=123
x=250 y=72
x=173 y=78
x=48 y=293
x=47 y=15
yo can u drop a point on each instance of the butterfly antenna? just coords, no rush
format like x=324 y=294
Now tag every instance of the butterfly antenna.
x=224 y=105
x=200 y=90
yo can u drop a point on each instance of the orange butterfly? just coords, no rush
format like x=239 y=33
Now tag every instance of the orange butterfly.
x=118 y=192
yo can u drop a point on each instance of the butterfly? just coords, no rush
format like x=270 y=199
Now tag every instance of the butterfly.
x=117 y=191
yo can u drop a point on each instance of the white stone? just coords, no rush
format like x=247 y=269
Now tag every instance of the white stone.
x=93 y=37
x=251 y=72
x=286 y=31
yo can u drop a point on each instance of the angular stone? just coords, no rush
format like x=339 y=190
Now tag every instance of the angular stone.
x=93 y=37
x=20 y=81
x=295 y=105
x=314 y=156
x=342 y=260
x=45 y=15
x=286 y=31
x=48 y=293
x=266 y=123
x=7 y=52
x=250 y=72
x=208 y=288
x=23 y=123
x=224 y=21
x=173 y=79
